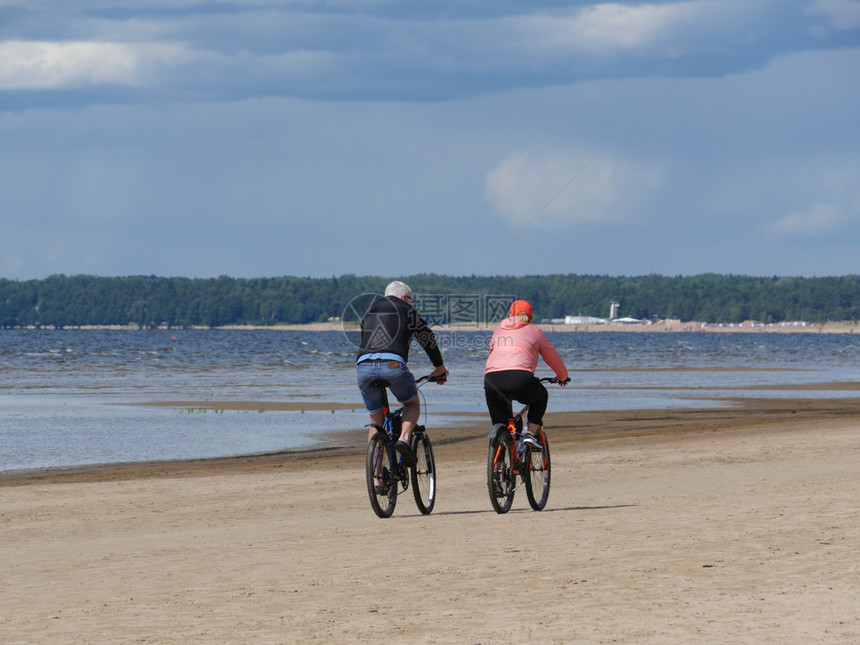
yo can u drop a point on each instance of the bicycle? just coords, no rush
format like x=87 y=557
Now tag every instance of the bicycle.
x=385 y=468
x=509 y=456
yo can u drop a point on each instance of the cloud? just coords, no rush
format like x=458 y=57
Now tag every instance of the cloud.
x=397 y=51
x=843 y=14
x=819 y=219
x=28 y=65
x=567 y=188
x=612 y=26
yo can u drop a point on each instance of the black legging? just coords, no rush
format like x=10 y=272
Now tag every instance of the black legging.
x=501 y=388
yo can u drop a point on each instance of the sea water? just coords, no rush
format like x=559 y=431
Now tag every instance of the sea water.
x=74 y=397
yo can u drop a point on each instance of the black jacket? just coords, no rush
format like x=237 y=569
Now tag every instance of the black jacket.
x=390 y=324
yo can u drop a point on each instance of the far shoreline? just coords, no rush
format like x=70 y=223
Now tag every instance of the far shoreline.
x=661 y=327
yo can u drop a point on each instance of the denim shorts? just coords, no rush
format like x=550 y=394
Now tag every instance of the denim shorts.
x=400 y=379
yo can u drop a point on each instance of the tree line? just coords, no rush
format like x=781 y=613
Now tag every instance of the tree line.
x=150 y=301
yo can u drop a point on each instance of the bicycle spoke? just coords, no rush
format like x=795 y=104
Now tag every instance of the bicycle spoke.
x=500 y=478
x=381 y=482
x=423 y=472
x=537 y=474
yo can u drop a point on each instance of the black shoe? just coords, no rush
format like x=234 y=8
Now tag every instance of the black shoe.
x=406 y=452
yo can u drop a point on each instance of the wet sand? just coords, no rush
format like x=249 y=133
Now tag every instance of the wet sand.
x=736 y=524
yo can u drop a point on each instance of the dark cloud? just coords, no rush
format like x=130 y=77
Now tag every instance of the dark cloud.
x=420 y=51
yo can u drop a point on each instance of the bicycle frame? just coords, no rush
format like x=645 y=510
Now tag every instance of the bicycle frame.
x=514 y=426
x=388 y=429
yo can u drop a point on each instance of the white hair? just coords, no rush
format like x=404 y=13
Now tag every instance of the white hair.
x=398 y=289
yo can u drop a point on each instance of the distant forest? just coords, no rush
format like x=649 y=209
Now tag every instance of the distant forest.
x=151 y=301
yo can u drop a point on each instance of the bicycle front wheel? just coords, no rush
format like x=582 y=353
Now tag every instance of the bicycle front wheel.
x=423 y=472
x=381 y=481
x=537 y=475
x=501 y=482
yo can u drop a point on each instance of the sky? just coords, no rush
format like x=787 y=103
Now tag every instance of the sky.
x=384 y=137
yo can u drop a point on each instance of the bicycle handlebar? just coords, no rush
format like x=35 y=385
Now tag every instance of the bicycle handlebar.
x=552 y=379
x=432 y=379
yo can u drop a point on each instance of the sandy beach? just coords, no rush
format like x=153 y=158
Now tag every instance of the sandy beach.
x=663 y=526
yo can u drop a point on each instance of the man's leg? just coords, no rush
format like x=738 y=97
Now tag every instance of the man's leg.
x=377 y=418
x=411 y=413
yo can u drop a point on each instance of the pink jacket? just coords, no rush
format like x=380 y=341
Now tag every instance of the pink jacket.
x=515 y=346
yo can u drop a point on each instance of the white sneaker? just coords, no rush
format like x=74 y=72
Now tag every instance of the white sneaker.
x=531 y=440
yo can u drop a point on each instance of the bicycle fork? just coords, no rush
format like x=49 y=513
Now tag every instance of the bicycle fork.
x=542 y=439
x=517 y=448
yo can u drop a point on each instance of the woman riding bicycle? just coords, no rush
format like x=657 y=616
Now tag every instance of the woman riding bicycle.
x=509 y=373
x=387 y=328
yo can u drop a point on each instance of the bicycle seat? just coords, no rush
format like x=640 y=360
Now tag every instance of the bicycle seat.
x=379 y=382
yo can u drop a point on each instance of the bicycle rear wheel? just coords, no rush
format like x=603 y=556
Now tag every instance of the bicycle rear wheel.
x=501 y=482
x=379 y=470
x=537 y=474
x=423 y=472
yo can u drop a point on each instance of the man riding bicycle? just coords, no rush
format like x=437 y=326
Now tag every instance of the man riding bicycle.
x=509 y=373
x=388 y=326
